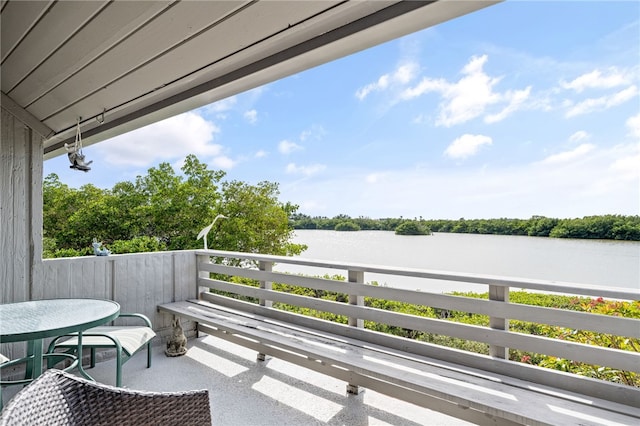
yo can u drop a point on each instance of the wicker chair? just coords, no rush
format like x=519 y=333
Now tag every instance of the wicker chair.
x=59 y=398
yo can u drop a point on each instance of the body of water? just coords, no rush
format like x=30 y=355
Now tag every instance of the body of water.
x=596 y=262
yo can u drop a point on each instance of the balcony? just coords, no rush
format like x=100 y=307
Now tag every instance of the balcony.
x=276 y=392
x=244 y=391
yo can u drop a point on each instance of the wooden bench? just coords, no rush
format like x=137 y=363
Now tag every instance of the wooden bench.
x=473 y=387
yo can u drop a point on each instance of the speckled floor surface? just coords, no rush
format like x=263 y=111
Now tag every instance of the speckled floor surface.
x=244 y=392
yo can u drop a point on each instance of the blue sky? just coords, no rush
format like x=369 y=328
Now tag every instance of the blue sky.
x=524 y=108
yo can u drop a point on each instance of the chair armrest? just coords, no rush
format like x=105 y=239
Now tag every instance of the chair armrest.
x=141 y=316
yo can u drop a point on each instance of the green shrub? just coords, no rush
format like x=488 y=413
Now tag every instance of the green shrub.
x=137 y=245
x=410 y=227
x=347 y=226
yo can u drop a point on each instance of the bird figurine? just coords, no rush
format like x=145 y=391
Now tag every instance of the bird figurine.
x=206 y=229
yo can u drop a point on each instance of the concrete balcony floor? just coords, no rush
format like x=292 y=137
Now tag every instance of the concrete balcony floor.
x=244 y=392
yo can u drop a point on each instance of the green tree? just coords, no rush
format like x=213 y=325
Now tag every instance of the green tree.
x=540 y=226
x=411 y=227
x=347 y=225
x=256 y=220
x=165 y=210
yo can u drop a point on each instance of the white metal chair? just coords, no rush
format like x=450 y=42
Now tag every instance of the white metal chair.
x=127 y=340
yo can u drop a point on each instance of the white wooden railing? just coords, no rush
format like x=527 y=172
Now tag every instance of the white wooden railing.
x=498 y=307
x=140 y=282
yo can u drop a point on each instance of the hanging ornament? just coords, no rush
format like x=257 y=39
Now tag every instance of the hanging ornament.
x=74 y=152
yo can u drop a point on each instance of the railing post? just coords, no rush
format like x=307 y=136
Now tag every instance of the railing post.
x=266 y=285
x=500 y=294
x=358 y=278
x=201 y=258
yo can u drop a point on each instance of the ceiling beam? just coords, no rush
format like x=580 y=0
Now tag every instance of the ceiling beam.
x=25 y=116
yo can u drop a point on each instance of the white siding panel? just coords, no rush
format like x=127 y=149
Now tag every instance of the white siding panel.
x=107 y=29
x=177 y=61
x=167 y=30
x=20 y=215
x=20 y=209
x=17 y=18
x=56 y=26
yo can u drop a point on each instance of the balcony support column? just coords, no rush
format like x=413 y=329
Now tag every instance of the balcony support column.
x=265 y=285
x=356 y=277
x=21 y=176
x=500 y=294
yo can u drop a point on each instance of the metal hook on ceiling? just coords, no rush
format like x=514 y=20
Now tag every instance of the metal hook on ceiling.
x=100 y=117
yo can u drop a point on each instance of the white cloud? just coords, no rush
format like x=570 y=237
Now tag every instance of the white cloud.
x=466 y=146
x=425 y=85
x=568 y=156
x=316 y=132
x=251 y=116
x=603 y=182
x=223 y=162
x=405 y=73
x=381 y=84
x=287 y=147
x=470 y=96
x=633 y=123
x=402 y=75
x=220 y=106
x=374 y=177
x=166 y=140
x=597 y=80
x=515 y=99
x=420 y=118
x=579 y=136
x=628 y=165
x=309 y=170
x=261 y=153
x=602 y=103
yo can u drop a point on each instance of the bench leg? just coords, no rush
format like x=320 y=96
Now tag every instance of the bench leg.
x=353 y=389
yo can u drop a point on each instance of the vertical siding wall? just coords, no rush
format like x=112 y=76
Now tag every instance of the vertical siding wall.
x=138 y=282
x=21 y=157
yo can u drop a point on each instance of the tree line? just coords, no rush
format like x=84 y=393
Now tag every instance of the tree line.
x=165 y=210
x=609 y=227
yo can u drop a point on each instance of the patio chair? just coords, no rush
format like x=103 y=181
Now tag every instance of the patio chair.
x=127 y=340
x=59 y=398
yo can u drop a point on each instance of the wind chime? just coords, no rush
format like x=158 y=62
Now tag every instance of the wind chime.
x=74 y=152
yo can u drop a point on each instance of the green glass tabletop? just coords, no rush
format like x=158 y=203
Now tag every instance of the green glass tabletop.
x=37 y=319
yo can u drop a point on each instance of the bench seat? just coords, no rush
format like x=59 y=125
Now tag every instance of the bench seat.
x=474 y=395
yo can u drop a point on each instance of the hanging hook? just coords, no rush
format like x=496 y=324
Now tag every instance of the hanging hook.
x=100 y=117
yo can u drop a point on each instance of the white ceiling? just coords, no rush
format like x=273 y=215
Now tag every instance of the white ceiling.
x=120 y=65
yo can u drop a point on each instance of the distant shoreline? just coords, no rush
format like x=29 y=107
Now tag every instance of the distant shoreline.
x=605 y=227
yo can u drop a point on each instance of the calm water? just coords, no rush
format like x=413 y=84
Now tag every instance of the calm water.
x=599 y=262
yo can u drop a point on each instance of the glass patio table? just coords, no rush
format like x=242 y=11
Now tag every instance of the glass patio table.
x=35 y=320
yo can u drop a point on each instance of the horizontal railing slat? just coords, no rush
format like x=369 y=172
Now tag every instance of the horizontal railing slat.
x=554 y=378
x=532 y=284
x=571 y=350
x=621 y=326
